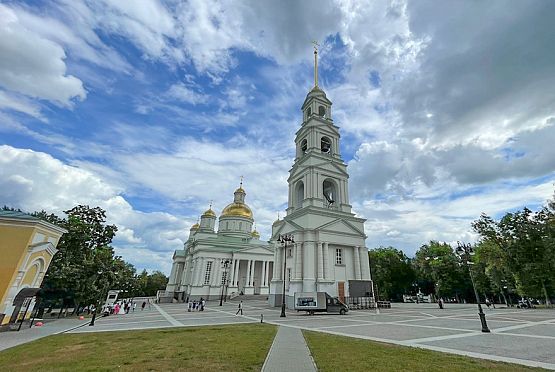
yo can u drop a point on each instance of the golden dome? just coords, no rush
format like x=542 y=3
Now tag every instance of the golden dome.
x=209 y=213
x=238 y=210
x=255 y=234
x=195 y=226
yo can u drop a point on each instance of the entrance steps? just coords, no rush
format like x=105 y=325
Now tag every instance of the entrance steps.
x=249 y=297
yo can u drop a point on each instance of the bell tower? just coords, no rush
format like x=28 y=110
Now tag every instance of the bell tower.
x=319 y=176
x=329 y=252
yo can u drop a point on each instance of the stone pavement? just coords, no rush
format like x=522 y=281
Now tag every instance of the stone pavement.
x=13 y=338
x=523 y=336
x=289 y=352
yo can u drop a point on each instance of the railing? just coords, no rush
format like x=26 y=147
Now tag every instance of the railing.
x=359 y=303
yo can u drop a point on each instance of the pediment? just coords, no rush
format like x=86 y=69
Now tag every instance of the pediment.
x=341 y=226
x=321 y=164
x=286 y=227
x=265 y=250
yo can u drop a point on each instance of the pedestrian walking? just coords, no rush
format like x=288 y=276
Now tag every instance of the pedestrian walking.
x=488 y=303
x=440 y=303
x=134 y=306
x=143 y=305
x=240 y=308
x=202 y=302
x=189 y=306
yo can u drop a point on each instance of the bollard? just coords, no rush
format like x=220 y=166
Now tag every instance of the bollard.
x=261 y=318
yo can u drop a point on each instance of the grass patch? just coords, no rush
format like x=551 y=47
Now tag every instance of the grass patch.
x=215 y=348
x=338 y=353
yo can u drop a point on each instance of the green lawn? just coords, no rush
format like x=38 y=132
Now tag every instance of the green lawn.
x=337 y=353
x=217 y=348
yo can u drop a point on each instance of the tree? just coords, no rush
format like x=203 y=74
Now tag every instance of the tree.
x=85 y=266
x=392 y=272
x=438 y=271
x=149 y=284
x=525 y=243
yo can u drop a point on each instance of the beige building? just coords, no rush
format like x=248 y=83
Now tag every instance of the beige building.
x=27 y=245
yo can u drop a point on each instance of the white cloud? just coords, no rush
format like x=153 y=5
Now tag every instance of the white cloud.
x=34 y=181
x=20 y=104
x=181 y=92
x=33 y=65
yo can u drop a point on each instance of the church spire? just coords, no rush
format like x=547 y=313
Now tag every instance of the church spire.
x=316 y=45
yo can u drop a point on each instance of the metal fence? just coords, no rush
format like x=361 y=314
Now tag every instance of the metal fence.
x=358 y=303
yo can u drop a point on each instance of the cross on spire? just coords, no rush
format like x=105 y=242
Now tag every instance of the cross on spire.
x=316 y=45
x=241 y=183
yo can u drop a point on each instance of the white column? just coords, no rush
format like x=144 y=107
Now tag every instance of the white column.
x=294 y=261
x=194 y=270
x=356 y=255
x=299 y=261
x=201 y=272
x=277 y=264
x=231 y=273
x=365 y=267
x=249 y=273
x=186 y=272
x=171 y=280
x=320 y=262
x=263 y=277
x=236 y=275
x=216 y=272
x=266 y=273
x=326 y=261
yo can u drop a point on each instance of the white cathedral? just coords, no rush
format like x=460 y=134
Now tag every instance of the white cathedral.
x=328 y=253
x=232 y=261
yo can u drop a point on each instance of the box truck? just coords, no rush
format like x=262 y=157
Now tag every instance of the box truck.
x=314 y=302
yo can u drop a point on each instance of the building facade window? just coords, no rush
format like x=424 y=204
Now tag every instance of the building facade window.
x=208 y=273
x=339 y=256
x=289 y=252
x=224 y=278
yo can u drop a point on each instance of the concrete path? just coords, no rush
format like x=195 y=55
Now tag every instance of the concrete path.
x=13 y=338
x=289 y=352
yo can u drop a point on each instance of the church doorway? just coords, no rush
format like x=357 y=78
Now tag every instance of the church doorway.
x=341 y=291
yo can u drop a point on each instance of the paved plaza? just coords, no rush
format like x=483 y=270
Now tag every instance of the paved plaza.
x=517 y=335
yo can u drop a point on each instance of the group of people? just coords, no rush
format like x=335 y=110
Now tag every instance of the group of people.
x=201 y=303
x=196 y=305
x=123 y=307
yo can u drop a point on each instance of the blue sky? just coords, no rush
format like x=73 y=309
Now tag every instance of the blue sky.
x=154 y=109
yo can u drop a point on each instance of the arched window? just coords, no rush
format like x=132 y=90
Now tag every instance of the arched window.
x=304 y=146
x=330 y=193
x=299 y=194
x=325 y=145
x=322 y=111
x=309 y=111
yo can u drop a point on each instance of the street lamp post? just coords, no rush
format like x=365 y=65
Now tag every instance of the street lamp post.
x=464 y=251
x=284 y=240
x=374 y=290
x=225 y=265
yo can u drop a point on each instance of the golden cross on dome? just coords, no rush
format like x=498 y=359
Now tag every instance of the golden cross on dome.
x=241 y=181
x=210 y=207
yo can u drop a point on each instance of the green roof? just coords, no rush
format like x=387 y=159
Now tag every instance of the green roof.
x=18 y=215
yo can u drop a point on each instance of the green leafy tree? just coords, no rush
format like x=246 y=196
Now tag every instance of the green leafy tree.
x=149 y=284
x=85 y=266
x=392 y=272
x=525 y=243
x=439 y=271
